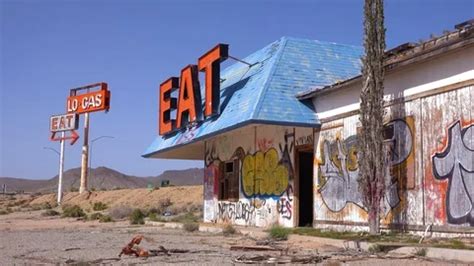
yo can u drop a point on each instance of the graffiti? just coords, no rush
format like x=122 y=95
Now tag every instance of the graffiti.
x=339 y=170
x=304 y=140
x=264 y=144
x=285 y=150
x=230 y=211
x=284 y=205
x=211 y=174
x=189 y=134
x=456 y=163
x=263 y=175
x=340 y=173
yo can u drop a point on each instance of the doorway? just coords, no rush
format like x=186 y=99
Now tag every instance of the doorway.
x=305 y=178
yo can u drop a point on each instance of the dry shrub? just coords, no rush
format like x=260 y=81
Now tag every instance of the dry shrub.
x=106 y=219
x=137 y=217
x=50 y=212
x=191 y=227
x=229 y=230
x=73 y=211
x=120 y=212
x=99 y=206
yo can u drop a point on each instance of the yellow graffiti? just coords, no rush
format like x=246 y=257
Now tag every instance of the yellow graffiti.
x=262 y=175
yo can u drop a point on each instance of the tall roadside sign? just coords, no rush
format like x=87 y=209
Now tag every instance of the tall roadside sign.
x=84 y=100
x=63 y=123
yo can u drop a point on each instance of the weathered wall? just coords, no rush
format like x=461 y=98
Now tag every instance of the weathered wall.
x=266 y=175
x=431 y=178
x=449 y=68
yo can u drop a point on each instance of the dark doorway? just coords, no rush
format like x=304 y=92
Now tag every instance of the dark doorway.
x=305 y=175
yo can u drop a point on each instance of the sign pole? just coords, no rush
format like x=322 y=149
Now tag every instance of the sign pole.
x=61 y=169
x=85 y=151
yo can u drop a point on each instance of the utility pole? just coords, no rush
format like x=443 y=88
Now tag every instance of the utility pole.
x=85 y=153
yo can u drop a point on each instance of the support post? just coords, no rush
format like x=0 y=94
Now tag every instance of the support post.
x=85 y=151
x=61 y=169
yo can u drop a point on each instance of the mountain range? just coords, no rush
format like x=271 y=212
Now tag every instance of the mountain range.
x=104 y=178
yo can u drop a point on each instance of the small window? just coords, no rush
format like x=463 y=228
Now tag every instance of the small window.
x=229 y=180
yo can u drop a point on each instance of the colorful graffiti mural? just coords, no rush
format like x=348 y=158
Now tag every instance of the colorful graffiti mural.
x=263 y=174
x=456 y=164
x=338 y=169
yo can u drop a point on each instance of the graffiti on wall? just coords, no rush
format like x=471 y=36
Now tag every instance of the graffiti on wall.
x=338 y=167
x=211 y=174
x=286 y=149
x=231 y=211
x=263 y=174
x=456 y=164
x=284 y=204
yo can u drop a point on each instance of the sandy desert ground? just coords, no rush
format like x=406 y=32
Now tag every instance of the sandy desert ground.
x=28 y=238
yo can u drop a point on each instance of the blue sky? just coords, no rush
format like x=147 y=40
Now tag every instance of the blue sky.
x=49 y=47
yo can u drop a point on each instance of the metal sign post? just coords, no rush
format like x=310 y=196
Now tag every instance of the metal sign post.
x=85 y=154
x=61 y=169
x=84 y=103
x=63 y=123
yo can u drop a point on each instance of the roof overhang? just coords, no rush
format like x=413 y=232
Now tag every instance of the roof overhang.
x=193 y=149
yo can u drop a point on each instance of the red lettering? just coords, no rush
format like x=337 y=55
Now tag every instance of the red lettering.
x=166 y=124
x=210 y=64
x=54 y=123
x=189 y=102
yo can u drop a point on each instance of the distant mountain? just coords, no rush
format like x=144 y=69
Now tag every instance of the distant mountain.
x=104 y=178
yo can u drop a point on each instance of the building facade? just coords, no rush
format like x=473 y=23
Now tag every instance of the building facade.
x=283 y=149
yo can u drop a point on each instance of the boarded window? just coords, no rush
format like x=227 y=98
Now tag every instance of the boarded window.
x=229 y=180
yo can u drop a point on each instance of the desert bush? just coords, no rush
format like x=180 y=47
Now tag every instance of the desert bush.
x=165 y=203
x=4 y=211
x=194 y=208
x=188 y=217
x=105 y=219
x=73 y=189
x=190 y=226
x=279 y=233
x=120 y=212
x=375 y=248
x=95 y=216
x=73 y=211
x=229 y=230
x=50 y=212
x=137 y=217
x=152 y=216
x=420 y=252
x=99 y=206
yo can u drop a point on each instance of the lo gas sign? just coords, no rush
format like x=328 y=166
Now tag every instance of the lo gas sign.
x=89 y=102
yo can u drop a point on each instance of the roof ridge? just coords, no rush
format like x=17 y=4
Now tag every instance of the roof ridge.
x=322 y=41
x=273 y=67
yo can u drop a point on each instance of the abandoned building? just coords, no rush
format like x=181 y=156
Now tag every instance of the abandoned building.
x=282 y=147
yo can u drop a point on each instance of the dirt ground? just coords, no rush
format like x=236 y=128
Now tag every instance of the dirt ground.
x=29 y=238
x=138 y=198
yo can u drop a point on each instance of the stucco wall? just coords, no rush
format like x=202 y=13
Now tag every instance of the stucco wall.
x=266 y=175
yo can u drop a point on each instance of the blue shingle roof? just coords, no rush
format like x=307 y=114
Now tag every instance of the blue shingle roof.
x=265 y=92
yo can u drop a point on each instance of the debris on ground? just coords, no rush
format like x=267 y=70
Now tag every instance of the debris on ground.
x=132 y=248
x=253 y=248
x=258 y=259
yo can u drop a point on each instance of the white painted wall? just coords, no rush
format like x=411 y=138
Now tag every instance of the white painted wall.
x=453 y=67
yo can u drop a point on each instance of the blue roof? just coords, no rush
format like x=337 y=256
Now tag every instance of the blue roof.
x=265 y=92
